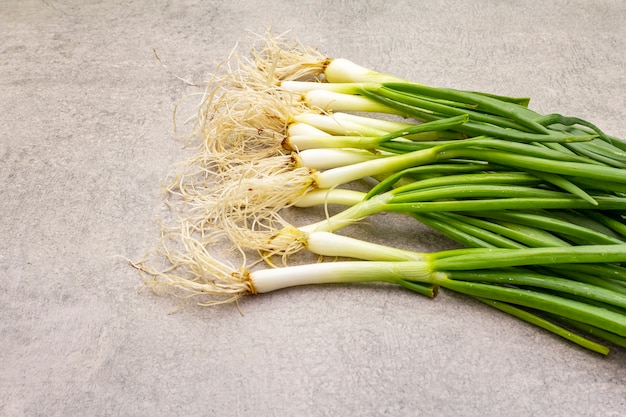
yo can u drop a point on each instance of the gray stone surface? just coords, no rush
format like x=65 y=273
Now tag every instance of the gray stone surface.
x=86 y=136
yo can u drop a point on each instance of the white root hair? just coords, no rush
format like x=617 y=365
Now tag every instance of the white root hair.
x=286 y=58
x=239 y=176
x=190 y=271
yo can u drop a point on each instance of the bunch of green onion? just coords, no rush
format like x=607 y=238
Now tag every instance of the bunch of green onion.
x=535 y=201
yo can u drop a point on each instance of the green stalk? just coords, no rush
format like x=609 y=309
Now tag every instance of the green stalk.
x=520 y=114
x=521 y=236
x=574 y=272
x=594 y=332
x=581 y=234
x=574 y=169
x=430 y=171
x=472 y=233
x=569 y=121
x=464 y=150
x=616 y=273
x=493 y=144
x=480 y=103
x=582 y=218
x=409 y=202
x=586 y=313
x=502 y=258
x=599 y=153
x=606 y=186
x=521 y=278
x=617 y=227
x=466 y=235
x=604 y=203
x=401 y=103
x=556 y=329
x=467 y=179
x=475 y=191
x=564 y=184
x=447 y=108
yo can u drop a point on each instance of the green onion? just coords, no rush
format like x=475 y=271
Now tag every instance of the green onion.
x=536 y=200
x=479 y=273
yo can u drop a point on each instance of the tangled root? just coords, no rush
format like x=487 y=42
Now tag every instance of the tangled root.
x=243 y=116
x=239 y=177
x=282 y=58
x=190 y=271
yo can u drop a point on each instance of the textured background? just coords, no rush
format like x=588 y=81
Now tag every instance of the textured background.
x=86 y=134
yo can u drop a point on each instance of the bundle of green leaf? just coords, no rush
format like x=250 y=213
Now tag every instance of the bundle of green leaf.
x=537 y=200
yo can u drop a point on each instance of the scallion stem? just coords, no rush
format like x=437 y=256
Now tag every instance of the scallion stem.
x=556 y=329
